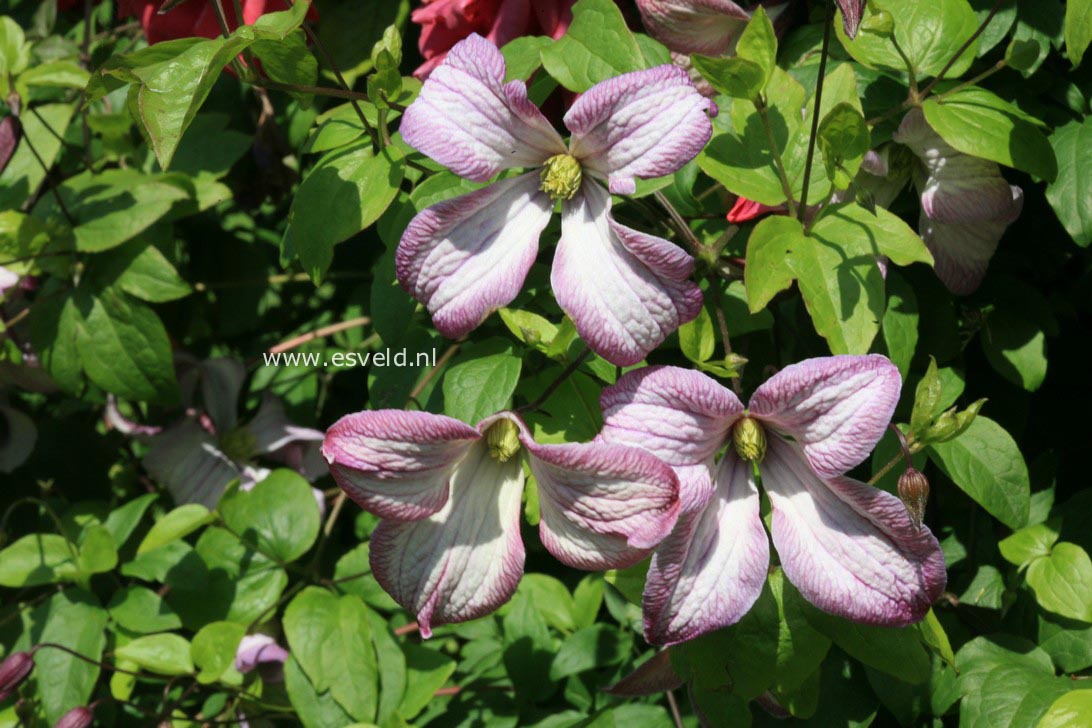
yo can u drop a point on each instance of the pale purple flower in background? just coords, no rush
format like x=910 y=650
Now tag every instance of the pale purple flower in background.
x=8 y=279
x=966 y=205
x=625 y=290
x=197 y=458
x=448 y=547
x=705 y=27
x=261 y=652
x=18 y=436
x=850 y=548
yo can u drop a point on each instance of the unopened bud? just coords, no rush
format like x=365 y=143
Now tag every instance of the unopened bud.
x=13 y=671
x=914 y=493
x=502 y=438
x=80 y=717
x=749 y=439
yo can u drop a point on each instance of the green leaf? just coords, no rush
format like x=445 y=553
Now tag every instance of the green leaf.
x=164 y=654
x=142 y=611
x=480 y=387
x=523 y=56
x=896 y=651
x=735 y=77
x=600 y=645
x=932 y=634
x=426 y=672
x=843 y=140
x=1070 y=194
x=758 y=43
x=213 y=649
x=141 y=270
x=881 y=234
x=1068 y=641
x=980 y=123
x=279 y=515
x=800 y=647
x=355 y=563
x=124 y=519
x=179 y=523
x=597 y=46
x=24 y=174
x=123 y=347
x=75 y=620
x=768 y=249
x=290 y=61
x=38 y=558
x=697 y=339
x=1014 y=334
x=315 y=709
x=331 y=639
x=1072 y=710
x=97 y=551
x=986 y=464
x=1063 y=581
x=929 y=33
x=900 y=322
x=343 y=194
x=1028 y=544
x=1078 y=29
x=551 y=599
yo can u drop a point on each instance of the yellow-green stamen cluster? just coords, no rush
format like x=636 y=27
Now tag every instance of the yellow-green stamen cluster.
x=561 y=177
x=502 y=439
x=749 y=439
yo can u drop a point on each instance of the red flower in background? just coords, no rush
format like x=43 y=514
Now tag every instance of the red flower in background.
x=446 y=22
x=195 y=17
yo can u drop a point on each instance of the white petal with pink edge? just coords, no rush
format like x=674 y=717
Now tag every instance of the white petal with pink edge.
x=469 y=120
x=711 y=570
x=466 y=559
x=709 y=27
x=624 y=290
x=641 y=124
x=849 y=548
x=465 y=258
x=397 y=464
x=602 y=506
x=837 y=407
x=679 y=415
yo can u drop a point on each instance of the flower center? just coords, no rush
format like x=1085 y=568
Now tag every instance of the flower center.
x=502 y=438
x=749 y=439
x=561 y=177
x=239 y=444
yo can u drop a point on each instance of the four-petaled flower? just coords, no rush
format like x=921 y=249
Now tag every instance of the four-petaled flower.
x=625 y=290
x=448 y=547
x=966 y=205
x=851 y=549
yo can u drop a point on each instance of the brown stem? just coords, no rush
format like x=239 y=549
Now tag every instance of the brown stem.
x=317 y=90
x=431 y=373
x=320 y=333
x=565 y=374
x=680 y=224
x=963 y=49
x=802 y=211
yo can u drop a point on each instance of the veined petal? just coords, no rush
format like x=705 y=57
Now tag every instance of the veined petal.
x=679 y=415
x=962 y=251
x=642 y=124
x=221 y=383
x=465 y=258
x=466 y=559
x=185 y=460
x=709 y=27
x=272 y=430
x=469 y=120
x=852 y=10
x=603 y=506
x=849 y=548
x=625 y=291
x=835 y=407
x=397 y=464
x=711 y=569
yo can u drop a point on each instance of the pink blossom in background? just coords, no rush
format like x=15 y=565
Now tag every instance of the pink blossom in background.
x=446 y=22
x=195 y=17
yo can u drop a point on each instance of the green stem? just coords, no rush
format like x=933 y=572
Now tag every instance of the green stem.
x=786 y=188
x=827 y=23
x=971 y=82
x=963 y=49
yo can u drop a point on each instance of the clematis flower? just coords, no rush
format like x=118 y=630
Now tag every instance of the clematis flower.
x=706 y=27
x=852 y=10
x=745 y=210
x=8 y=279
x=849 y=548
x=261 y=652
x=625 y=290
x=966 y=205
x=448 y=546
x=446 y=22
x=197 y=458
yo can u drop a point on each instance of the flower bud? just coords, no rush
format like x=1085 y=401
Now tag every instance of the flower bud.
x=749 y=439
x=13 y=671
x=502 y=438
x=80 y=717
x=914 y=492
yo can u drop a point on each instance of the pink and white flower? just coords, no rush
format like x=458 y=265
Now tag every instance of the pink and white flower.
x=261 y=652
x=966 y=205
x=849 y=548
x=625 y=290
x=448 y=547
x=706 y=27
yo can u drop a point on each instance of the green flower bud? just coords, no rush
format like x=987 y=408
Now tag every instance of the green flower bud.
x=749 y=439
x=502 y=438
x=561 y=177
